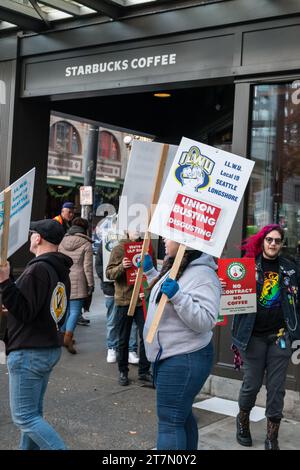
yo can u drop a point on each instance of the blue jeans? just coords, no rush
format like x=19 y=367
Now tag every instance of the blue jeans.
x=178 y=380
x=29 y=371
x=73 y=313
x=112 y=329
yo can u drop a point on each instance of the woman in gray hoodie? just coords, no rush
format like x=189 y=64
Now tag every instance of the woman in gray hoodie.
x=181 y=351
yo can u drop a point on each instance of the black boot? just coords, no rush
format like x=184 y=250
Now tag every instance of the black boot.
x=271 y=442
x=123 y=379
x=243 y=435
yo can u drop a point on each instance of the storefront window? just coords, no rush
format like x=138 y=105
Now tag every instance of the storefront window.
x=274 y=192
x=108 y=147
x=65 y=138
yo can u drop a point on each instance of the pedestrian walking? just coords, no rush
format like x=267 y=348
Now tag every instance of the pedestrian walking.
x=66 y=215
x=78 y=246
x=36 y=305
x=264 y=339
x=108 y=288
x=182 y=351
x=116 y=271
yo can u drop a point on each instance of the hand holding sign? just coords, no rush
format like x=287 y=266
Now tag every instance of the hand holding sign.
x=126 y=263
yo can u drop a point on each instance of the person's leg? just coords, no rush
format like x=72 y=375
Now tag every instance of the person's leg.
x=124 y=325
x=26 y=442
x=254 y=359
x=111 y=330
x=29 y=372
x=133 y=345
x=144 y=364
x=179 y=379
x=111 y=327
x=276 y=372
x=75 y=311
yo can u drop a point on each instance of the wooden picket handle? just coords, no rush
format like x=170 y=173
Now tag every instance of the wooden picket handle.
x=5 y=232
x=146 y=243
x=164 y=299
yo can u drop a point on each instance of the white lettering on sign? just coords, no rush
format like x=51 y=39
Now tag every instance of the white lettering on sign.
x=120 y=65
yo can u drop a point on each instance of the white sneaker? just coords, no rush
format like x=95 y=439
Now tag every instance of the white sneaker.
x=111 y=356
x=133 y=357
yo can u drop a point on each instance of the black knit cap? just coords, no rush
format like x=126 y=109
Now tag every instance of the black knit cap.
x=50 y=230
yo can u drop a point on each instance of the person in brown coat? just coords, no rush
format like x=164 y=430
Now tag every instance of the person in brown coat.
x=116 y=271
x=78 y=246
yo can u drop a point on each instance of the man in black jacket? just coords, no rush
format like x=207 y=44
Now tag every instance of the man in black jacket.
x=36 y=304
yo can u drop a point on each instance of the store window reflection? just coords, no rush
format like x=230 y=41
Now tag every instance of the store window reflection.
x=274 y=192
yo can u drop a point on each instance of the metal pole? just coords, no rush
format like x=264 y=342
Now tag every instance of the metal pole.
x=90 y=166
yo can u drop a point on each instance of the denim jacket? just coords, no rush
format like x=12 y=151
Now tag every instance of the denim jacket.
x=242 y=325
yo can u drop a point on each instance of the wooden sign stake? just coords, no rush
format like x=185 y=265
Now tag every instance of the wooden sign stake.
x=164 y=299
x=146 y=243
x=5 y=232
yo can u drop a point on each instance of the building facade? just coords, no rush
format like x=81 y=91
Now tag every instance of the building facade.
x=233 y=73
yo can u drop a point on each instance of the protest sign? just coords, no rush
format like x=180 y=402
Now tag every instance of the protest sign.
x=20 y=212
x=109 y=241
x=237 y=276
x=136 y=198
x=157 y=184
x=133 y=252
x=201 y=196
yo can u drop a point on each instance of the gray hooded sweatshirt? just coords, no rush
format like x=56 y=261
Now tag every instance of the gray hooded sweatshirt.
x=189 y=317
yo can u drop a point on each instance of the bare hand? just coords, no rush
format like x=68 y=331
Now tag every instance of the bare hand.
x=4 y=272
x=126 y=263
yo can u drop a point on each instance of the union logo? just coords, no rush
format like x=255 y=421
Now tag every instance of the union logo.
x=194 y=169
x=58 y=302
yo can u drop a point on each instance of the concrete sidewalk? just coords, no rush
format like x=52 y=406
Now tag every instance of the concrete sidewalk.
x=220 y=435
x=86 y=405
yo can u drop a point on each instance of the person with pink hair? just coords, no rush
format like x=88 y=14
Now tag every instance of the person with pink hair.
x=264 y=339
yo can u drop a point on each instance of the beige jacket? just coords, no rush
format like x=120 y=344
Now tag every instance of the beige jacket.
x=79 y=248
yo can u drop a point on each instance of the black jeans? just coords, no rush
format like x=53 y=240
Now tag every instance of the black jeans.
x=263 y=357
x=124 y=323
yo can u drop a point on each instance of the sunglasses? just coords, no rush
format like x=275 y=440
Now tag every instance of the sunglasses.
x=270 y=240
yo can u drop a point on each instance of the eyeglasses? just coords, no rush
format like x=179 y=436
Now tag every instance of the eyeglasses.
x=270 y=240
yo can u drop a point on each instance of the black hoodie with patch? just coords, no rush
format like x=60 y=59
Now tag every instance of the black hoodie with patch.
x=30 y=302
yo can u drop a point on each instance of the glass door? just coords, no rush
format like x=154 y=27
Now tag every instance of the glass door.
x=274 y=193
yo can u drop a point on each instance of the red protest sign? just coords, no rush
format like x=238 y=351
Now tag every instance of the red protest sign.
x=133 y=253
x=193 y=216
x=238 y=279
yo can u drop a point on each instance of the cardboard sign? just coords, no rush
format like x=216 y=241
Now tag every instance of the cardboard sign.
x=201 y=196
x=20 y=211
x=109 y=241
x=136 y=197
x=133 y=252
x=237 y=276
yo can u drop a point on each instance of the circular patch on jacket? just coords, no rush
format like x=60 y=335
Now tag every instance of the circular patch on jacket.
x=58 y=304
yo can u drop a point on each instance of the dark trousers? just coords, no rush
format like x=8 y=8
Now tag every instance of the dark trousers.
x=259 y=358
x=124 y=323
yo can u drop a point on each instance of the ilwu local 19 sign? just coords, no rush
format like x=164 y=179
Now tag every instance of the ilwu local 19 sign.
x=201 y=196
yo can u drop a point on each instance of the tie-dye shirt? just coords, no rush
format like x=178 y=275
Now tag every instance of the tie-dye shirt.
x=269 y=318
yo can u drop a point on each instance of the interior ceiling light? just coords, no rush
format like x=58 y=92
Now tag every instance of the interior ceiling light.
x=162 y=95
